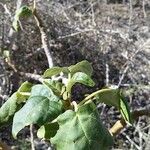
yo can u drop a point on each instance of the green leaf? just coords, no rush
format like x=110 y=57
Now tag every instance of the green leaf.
x=16 y=25
x=25 y=87
x=12 y=105
x=83 y=66
x=54 y=71
x=23 y=11
x=81 y=130
x=113 y=97
x=8 y=109
x=56 y=86
x=48 y=131
x=82 y=78
x=23 y=92
x=42 y=106
x=124 y=109
x=41 y=90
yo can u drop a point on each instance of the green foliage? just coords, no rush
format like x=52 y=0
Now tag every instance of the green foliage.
x=80 y=77
x=23 y=11
x=42 y=106
x=66 y=124
x=56 y=87
x=82 y=129
x=9 y=108
x=114 y=97
x=55 y=71
x=83 y=66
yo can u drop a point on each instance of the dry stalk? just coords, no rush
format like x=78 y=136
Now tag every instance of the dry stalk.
x=44 y=38
x=32 y=137
x=121 y=124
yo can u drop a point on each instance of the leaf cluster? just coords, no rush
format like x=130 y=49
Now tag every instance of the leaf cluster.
x=66 y=124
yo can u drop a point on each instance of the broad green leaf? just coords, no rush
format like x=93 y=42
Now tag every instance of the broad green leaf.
x=56 y=86
x=81 y=130
x=48 y=131
x=23 y=11
x=54 y=71
x=83 y=66
x=12 y=105
x=43 y=90
x=8 y=109
x=37 y=110
x=113 y=97
x=82 y=78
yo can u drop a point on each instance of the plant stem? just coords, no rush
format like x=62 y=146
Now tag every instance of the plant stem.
x=75 y=106
x=89 y=97
x=120 y=124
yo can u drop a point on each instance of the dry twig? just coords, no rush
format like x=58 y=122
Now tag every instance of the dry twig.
x=44 y=38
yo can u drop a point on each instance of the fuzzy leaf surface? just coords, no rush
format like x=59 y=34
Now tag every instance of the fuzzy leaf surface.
x=83 y=66
x=42 y=106
x=81 y=130
x=8 y=109
x=54 y=85
x=82 y=78
x=54 y=71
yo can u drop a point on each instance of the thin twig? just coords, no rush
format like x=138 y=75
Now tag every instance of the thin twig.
x=131 y=12
x=44 y=38
x=32 y=137
x=107 y=74
x=144 y=11
x=75 y=33
x=132 y=142
x=127 y=66
x=33 y=76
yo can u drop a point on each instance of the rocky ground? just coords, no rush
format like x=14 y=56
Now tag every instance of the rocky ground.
x=114 y=37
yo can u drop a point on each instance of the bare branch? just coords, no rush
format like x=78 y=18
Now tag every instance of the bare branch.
x=44 y=38
x=32 y=137
x=33 y=76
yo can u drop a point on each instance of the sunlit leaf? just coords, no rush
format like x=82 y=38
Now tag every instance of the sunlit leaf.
x=54 y=71
x=82 y=130
x=56 y=86
x=23 y=92
x=13 y=103
x=83 y=66
x=82 y=78
x=8 y=109
x=42 y=106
